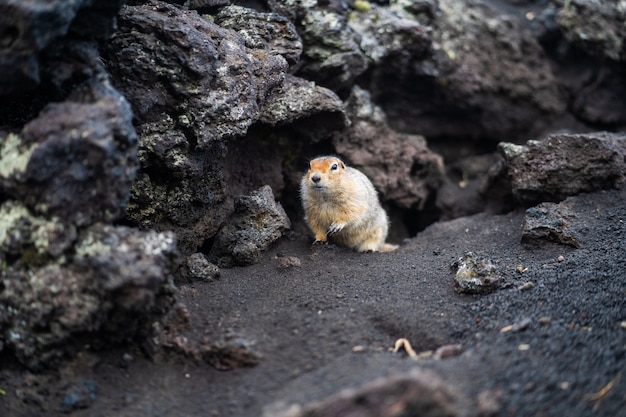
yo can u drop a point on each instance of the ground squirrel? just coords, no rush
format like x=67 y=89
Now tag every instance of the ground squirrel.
x=341 y=203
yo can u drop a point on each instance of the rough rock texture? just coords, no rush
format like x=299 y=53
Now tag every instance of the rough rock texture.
x=191 y=84
x=334 y=58
x=199 y=267
x=313 y=112
x=55 y=165
x=68 y=158
x=418 y=393
x=30 y=26
x=268 y=32
x=256 y=223
x=550 y=222
x=583 y=40
x=108 y=288
x=458 y=90
x=171 y=62
x=598 y=27
x=564 y=165
x=34 y=239
x=475 y=274
x=390 y=37
x=598 y=86
x=401 y=166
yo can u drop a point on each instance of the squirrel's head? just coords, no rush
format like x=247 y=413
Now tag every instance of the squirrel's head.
x=323 y=171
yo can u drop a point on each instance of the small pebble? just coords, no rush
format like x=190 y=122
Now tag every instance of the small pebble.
x=489 y=402
x=290 y=262
x=201 y=269
x=358 y=349
x=523 y=347
x=80 y=396
x=561 y=258
x=544 y=321
x=516 y=327
x=526 y=286
x=126 y=360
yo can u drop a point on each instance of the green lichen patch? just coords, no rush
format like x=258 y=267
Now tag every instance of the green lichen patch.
x=35 y=239
x=14 y=157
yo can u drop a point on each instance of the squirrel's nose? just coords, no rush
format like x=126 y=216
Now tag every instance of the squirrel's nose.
x=316 y=178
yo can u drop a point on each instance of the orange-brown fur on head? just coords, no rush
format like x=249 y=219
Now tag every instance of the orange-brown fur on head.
x=323 y=172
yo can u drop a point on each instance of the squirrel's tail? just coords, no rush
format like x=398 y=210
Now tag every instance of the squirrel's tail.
x=388 y=247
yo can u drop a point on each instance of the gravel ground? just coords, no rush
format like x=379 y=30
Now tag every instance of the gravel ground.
x=550 y=341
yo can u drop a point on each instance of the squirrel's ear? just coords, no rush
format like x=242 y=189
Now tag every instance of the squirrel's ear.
x=342 y=165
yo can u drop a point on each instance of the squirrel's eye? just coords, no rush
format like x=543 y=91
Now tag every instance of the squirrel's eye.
x=334 y=167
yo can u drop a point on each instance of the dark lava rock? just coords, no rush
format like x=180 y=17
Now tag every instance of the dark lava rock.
x=585 y=40
x=550 y=222
x=172 y=62
x=483 y=77
x=191 y=84
x=257 y=222
x=110 y=288
x=598 y=27
x=313 y=112
x=33 y=238
x=80 y=396
x=202 y=4
x=564 y=164
x=475 y=274
x=77 y=159
x=288 y=262
x=600 y=101
x=415 y=393
x=400 y=165
x=28 y=27
x=391 y=36
x=269 y=32
x=200 y=268
x=332 y=56
x=230 y=352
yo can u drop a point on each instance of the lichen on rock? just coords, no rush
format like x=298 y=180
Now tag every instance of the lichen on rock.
x=24 y=234
x=475 y=274
x=598 y=27
x=14 y=157
x=110 y=288
x=59 y=169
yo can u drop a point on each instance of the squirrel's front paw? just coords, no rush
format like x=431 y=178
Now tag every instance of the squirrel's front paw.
x=335 y=228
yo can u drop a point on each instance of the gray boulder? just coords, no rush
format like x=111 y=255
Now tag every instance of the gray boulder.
x=256 y=223
x=564 y=164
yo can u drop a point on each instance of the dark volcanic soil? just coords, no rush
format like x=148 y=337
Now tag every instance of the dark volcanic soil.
x=330 y=324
